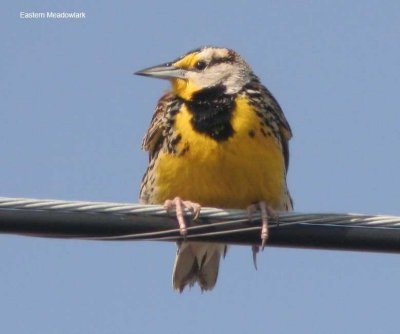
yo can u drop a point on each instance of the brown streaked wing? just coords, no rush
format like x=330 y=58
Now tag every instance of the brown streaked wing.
x=154 y=135
x=284 y=127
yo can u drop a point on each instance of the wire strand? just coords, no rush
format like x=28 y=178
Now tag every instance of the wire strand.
x=124 y=221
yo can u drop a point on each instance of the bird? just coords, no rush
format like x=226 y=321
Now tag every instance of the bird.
x=218 y=138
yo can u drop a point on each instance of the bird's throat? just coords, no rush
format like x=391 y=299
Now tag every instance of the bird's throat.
x=212 y=111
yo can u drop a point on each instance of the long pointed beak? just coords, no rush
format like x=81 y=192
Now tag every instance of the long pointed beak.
x=164 y=71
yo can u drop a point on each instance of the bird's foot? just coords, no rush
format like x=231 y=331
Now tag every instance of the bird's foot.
x=179 y=206
x=266 y=212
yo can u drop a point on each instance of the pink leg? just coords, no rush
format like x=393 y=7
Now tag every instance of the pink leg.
x=266 y=211
x=179 y=206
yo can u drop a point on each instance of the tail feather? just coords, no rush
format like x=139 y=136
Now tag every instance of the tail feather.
x=197 y=262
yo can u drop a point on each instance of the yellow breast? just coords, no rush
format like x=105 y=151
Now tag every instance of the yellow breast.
x=246 y=168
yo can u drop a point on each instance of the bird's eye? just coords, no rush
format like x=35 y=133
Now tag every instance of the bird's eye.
x=200 y=65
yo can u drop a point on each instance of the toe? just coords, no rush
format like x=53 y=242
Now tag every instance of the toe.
x=193 y=207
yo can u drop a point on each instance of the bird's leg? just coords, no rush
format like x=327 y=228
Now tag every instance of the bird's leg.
x=266 y=212
x=179 y=206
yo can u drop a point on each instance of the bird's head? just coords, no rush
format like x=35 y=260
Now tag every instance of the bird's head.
x=203 y=68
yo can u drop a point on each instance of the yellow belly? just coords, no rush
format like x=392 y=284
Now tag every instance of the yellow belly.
x=228 y=174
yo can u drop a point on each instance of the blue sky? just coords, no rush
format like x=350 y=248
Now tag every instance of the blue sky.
x=72 y=116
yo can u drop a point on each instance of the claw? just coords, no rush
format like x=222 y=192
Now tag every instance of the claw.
x=194 y=207
x=255 y=249
x=265 y=213
x=179 y=206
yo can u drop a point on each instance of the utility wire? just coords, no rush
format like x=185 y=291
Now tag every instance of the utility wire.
x=122 y=221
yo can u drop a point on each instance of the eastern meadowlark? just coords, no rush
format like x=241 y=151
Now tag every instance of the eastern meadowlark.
x=220 y=139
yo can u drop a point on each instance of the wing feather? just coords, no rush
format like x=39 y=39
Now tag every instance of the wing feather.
x=270 y=110
x=154 y=137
